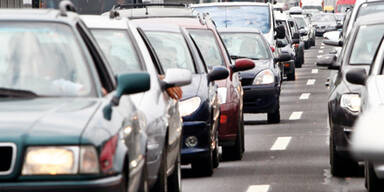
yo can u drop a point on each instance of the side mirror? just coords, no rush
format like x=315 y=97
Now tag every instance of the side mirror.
x=283 y=57
x=356 y=76
x=131 y=83
x=280 y=44
x=177 y=77
x=280 y=32
x=326 y=60
x=218 y=73
x=296 y=35
x=243 y=65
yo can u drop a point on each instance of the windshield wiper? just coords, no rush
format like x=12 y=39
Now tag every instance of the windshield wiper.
x=243 y=57
x=7 y=92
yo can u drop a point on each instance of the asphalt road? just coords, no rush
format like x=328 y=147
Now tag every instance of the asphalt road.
x=291 y=156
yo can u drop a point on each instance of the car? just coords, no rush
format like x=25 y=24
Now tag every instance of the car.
x=325 y=22
x=344 y=97
x=306 y=31
x=80 y=129
x=126 y=51
x=199 y=105
x=244 y=14
x=361 y=8
x=297 y=41
x=262 y=85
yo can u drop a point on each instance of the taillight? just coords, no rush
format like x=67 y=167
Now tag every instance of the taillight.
x=272 y=49
x=296 y=46
x=223 y=119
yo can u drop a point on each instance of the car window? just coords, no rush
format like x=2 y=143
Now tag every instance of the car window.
x=118 y=49
x=370 y=8
x=366 y=43
x=248 y=45
x=172 y=50
x=44 y=58
x=206 y=42
x=240 y=16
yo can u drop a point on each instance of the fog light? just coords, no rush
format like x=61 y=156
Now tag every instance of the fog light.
x=191 y=141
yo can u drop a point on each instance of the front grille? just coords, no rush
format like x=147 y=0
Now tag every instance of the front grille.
x=7 y=157
x=246 y=82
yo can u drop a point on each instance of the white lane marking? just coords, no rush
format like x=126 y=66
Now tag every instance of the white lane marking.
x=311 y=81
x=322 y=47
x=295 y=115
x=304 y=96
x=315 y=71
x=258 y=188
x=281 y=143
x=321 y=51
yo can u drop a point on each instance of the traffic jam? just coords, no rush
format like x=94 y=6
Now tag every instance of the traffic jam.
x=192 y=95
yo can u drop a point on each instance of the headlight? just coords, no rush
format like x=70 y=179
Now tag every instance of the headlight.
x=60 y=160
x=222 y=94
x=189 y=106
x=264 y=77
x=351 y=102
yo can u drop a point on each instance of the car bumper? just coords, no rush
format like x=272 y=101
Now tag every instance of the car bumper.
x=201 y=130
x=109 y=184
x=229 y=123
x=289 y=66
x=261 y=99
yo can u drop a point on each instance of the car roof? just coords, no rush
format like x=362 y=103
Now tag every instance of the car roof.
x=104 y=22
x=155 y=25
x=281 y=16
x=237 y=30
x=376 y=18
x=156 y=12
x=226 y=4
x=185 y=22
x=43 y=15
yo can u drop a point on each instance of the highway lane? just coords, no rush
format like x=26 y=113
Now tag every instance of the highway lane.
x=291 y=156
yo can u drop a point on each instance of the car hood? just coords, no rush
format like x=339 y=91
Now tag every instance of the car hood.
x=192 y=89
x=260 y=65
x=41 y=121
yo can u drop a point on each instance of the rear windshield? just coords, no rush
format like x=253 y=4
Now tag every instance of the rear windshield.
x=172 y=50
x=366 y=43
x=248 y=45
x=240 y=16
x=207 y=44
x=300 y=22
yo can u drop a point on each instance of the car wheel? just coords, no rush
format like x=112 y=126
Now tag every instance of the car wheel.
x=340 y=167
x=204 y=166
x=174 y=180
x=235 y=152
x=302 y=60
x=216 y=154
x=313 y=41
x=291 y=76
x=297 y=62
x=306 y=45
x=374 y=184
x=144 y=180
x=161 y=182
x=274 y=117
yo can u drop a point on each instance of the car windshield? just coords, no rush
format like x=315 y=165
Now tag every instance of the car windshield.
x=324 y=18
x=43 y=58
x=249 y=45
x=207 y=44
x=300 y=22
x=366 y=44
x=240 y=16
x=172 y=50
x=313 y=7
x=118 y=49
x=86 y=6
x=370 y=8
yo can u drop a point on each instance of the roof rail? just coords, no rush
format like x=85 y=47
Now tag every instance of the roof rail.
x=144 y=5
x=65 y=6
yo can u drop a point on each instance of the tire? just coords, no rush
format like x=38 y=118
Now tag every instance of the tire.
x=298 y=62
x=306 y=45
x=161 y=182
x=373 y=183
x=313 y=42
x=204 y=167
x=302 y=61
x=291 y=76
x=174 y=180
x=235 y=152
x=340 y=167
x=274 y=117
